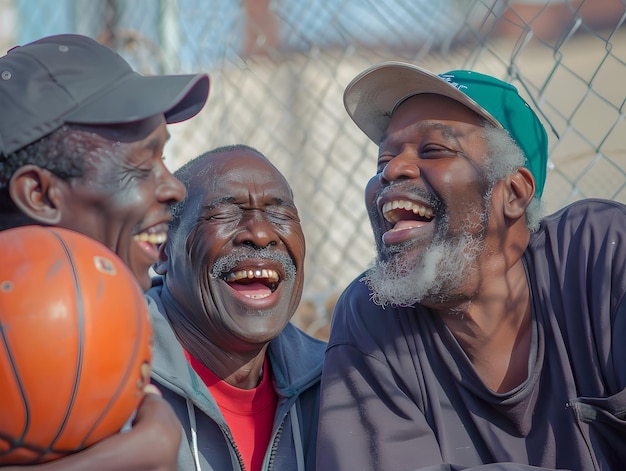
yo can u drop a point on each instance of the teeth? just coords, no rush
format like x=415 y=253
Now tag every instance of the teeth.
x=419 y=209
x=265 y=274
x=257 y=296
x=158 y=238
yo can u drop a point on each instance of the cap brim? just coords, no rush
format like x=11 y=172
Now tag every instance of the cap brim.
x=372 y=96
x=137 y=97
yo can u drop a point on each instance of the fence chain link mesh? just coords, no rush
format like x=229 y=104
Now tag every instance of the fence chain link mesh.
x=278 y=69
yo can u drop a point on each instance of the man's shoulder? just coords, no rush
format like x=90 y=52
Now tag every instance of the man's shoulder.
x=292 y=345
x=356 y=302
x=592 y=210
x=359 y=321
x=296 y=358
x=588 y=236
x=582 y=222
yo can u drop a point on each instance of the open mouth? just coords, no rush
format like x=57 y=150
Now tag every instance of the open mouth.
x=154 y=239
x=253 y=283
x=404 y=214
x=151 y=238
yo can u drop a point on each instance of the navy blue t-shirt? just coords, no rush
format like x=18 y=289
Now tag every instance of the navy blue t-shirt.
x=399 y=393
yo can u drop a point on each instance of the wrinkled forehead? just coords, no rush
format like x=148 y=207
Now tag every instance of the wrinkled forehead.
x=238 y=172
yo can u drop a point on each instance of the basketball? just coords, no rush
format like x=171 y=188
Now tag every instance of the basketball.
x=75 y=344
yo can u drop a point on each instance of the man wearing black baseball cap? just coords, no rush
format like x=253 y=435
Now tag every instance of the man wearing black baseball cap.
x=483 y=337
x=81 y=147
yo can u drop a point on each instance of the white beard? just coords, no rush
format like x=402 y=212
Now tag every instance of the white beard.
x=435 y=276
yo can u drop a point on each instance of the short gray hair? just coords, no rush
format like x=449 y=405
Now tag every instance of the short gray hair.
x=504 y=158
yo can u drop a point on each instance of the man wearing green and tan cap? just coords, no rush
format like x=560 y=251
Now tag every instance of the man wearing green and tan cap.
x=482 y=337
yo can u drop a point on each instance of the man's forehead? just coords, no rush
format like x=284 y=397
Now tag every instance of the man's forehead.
x=239 y=183
x=419 y=113
x=436 y=105
x=245 y=166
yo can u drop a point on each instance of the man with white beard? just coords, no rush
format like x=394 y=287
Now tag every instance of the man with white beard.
x=404 y=281
x=482 y=336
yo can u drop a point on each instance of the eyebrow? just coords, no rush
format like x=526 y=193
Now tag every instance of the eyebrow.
x=219 y=201
x=447 y=131
x=232 y=200
x=283 y=203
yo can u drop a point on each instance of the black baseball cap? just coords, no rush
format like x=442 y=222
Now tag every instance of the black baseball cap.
x=70 y=78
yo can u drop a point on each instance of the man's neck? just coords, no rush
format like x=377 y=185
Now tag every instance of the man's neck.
x=241 y=370
x=247 y=376
x=494 y=328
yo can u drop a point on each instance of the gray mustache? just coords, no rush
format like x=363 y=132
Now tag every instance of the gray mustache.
x=229 y=262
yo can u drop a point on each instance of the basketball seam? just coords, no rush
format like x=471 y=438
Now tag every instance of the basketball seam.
x=81 y=327
x=127 y=374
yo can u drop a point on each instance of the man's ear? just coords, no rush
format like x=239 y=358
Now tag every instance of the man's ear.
x=33 y=192
x=520 y=189
x=160 y=267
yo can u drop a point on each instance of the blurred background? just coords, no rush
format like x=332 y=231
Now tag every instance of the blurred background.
x=278 y=69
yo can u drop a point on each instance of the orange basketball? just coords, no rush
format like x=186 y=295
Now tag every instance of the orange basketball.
x=75 y=343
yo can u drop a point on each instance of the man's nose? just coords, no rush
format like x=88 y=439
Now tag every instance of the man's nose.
x=402 y=166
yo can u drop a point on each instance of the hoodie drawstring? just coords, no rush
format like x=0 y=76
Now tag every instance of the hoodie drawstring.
x=297 y=437
x=194 y=436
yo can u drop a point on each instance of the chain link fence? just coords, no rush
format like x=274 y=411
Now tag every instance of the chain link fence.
x=278 y=69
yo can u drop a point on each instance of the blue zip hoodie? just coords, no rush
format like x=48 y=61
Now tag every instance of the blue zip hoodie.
x=207 y=444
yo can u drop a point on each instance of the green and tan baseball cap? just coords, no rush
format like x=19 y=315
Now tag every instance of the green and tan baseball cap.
x=372 y=96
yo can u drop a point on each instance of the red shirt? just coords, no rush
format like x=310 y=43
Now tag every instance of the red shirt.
x=248 y=412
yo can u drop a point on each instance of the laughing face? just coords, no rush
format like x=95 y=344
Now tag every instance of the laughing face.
x=235 y=263
x=428 y=203
x=124 y=197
